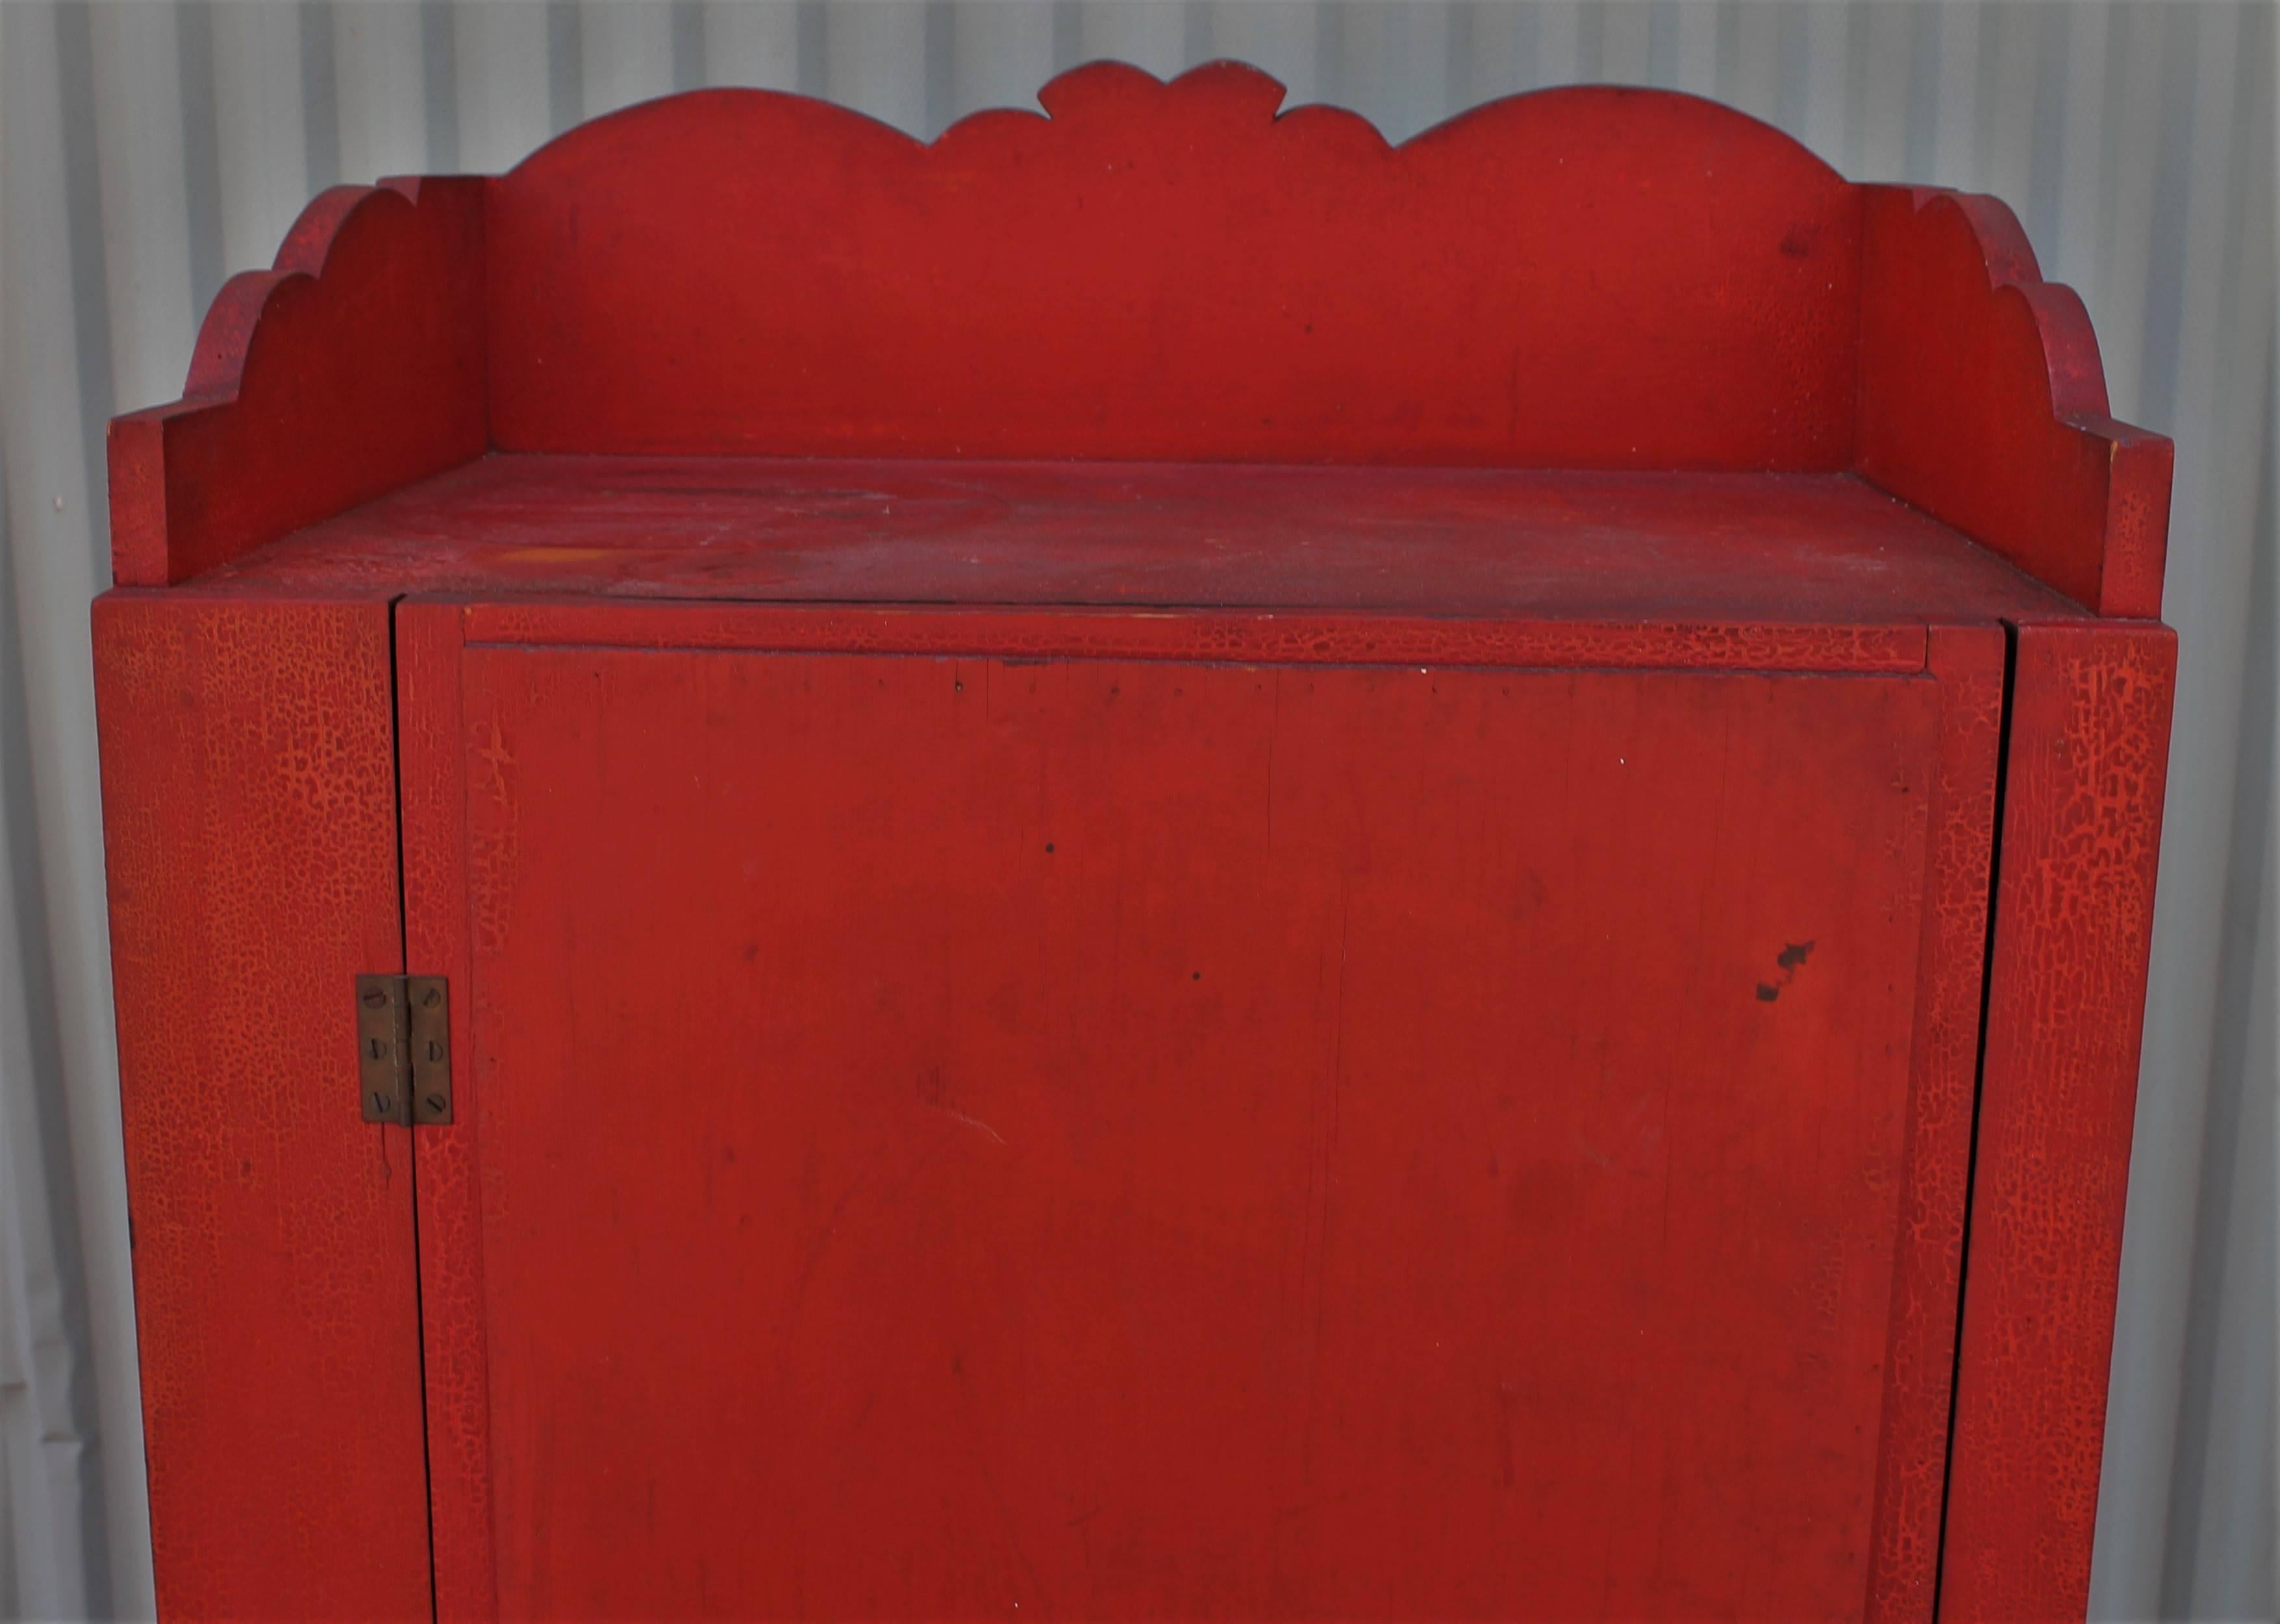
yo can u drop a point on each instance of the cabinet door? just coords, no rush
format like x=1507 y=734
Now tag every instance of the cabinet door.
x=942 y=1136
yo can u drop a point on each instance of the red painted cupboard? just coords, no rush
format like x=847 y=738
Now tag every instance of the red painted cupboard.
x=1153 y=863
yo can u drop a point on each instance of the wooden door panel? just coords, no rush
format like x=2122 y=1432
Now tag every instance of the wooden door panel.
x=1132 y=1138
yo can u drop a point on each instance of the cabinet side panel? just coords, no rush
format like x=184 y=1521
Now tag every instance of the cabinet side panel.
x=249 y=814
x=2074 y=907
x=1929 y=1249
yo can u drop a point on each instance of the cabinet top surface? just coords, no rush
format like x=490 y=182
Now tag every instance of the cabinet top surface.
x=1689 y=548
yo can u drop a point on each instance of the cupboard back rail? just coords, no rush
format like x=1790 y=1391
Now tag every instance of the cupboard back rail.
x=1172 y=864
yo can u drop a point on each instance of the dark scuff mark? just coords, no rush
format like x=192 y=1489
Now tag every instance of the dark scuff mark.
x=1791 y=958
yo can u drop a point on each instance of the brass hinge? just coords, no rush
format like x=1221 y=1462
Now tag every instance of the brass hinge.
x=404 y=1048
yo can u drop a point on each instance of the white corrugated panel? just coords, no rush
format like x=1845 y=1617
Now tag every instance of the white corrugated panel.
x=146 y=150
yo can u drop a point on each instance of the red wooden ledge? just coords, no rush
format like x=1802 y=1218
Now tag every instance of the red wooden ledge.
x=354 y=366
x=1983 y=402
x=1585 y=277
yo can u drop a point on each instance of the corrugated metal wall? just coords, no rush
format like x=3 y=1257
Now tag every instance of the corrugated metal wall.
x=150 y=149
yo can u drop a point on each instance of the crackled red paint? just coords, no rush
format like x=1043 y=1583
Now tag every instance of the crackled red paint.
x=249 y=832
x=2082 y=828
x=1017 y=593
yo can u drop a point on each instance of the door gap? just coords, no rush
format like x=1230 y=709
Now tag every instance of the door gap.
x=1978 y=1082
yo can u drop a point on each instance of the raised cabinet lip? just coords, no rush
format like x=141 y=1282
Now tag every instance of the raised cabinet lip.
x=1585 y=278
